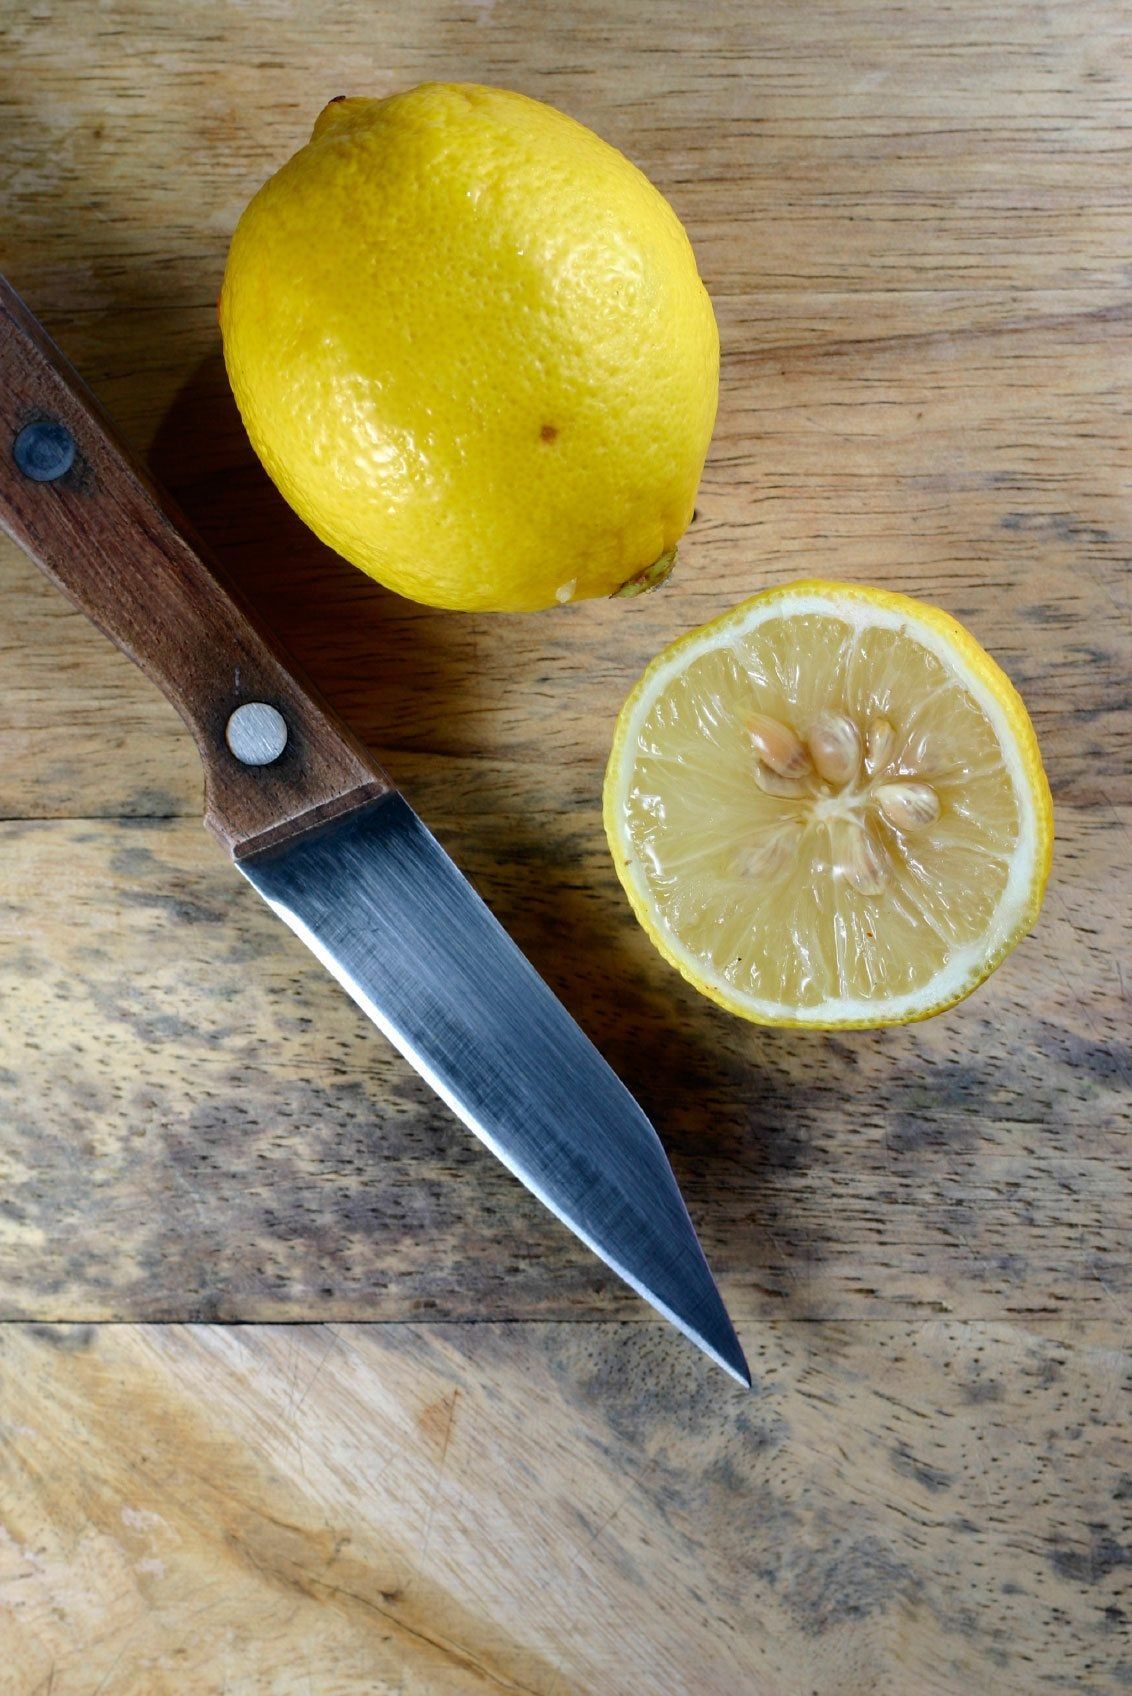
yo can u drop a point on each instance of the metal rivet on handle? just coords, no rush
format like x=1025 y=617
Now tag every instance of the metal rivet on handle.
x=44 y=451
x=256 y=733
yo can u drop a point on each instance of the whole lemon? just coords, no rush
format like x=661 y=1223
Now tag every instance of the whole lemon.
x=470 y=344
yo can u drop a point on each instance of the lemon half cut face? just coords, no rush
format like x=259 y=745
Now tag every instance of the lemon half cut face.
x=828 y=808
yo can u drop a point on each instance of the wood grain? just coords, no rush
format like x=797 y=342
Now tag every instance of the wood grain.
x=111 y=540
x=552 y=1509
x=915 y=225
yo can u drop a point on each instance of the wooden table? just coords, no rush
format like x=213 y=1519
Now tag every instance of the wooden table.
x=445 y=1452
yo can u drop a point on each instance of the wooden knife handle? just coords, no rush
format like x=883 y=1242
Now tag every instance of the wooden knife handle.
x=79 y=501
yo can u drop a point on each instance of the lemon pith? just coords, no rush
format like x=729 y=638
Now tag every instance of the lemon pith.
x=828 y=808
x=469 y=342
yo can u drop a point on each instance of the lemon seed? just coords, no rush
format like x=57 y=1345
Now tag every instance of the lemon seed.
x=862 y=861
x=776 y=744
x=908 y=806
x=879 y=741
x=773 y=783
x=835 y=747
x=770 y=855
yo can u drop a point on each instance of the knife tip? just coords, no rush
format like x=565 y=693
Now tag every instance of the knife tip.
x=733 y=1361
x=715 y=1337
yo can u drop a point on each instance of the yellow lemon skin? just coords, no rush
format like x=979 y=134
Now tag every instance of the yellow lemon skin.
x=470 y=344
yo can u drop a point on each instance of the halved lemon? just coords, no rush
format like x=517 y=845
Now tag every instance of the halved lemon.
x=828 y=808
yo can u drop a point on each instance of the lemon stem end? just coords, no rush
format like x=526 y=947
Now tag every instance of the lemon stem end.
x=650 y=578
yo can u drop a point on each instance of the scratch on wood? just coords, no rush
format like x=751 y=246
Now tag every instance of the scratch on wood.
x=440 y=1471
x=331 y=1345
x=454 y=1652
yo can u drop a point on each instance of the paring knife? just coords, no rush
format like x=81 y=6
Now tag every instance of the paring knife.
x=317 y=827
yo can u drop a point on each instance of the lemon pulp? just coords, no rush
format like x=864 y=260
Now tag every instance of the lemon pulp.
x=828 y=808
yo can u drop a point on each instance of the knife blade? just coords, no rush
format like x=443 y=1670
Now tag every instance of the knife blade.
x=317 y=828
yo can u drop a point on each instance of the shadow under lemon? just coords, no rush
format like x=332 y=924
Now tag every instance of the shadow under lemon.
x=497 y=728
